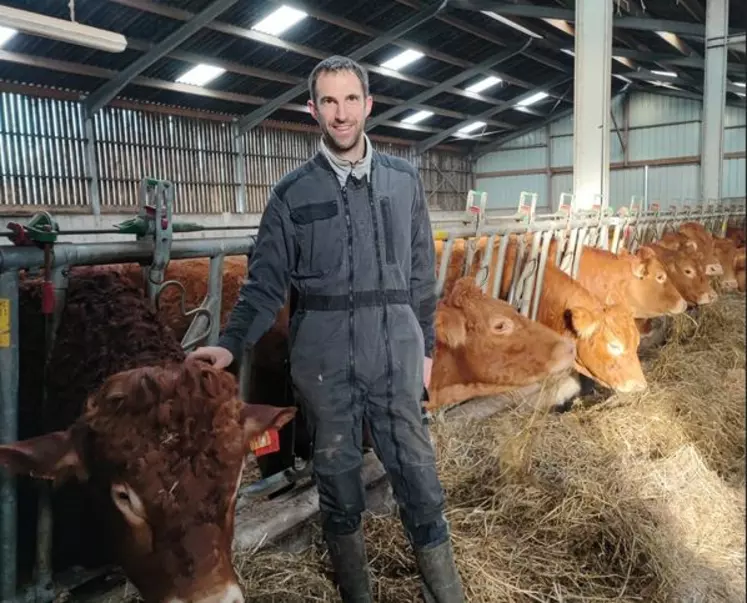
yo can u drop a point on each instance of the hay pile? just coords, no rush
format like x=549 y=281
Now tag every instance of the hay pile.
x=640 y=498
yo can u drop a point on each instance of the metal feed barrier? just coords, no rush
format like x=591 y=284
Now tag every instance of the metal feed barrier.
x=36 y=248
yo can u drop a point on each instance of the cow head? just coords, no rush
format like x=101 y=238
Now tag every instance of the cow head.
x=687 y=274
x=161 y=451
x=484 y=347
x=726 y=251
x=607 y=344
x=696 y=232
x=651 y=292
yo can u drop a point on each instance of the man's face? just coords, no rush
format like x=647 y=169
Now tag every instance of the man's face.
x=341 y=109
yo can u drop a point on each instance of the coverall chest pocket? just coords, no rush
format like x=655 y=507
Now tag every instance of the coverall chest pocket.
x=320 y=237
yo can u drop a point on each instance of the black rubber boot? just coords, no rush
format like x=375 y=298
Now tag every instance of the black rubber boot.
x=350 y=564
x=440 y=578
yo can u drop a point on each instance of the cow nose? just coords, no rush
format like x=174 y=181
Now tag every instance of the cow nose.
x=633 y=386
x=729 y=285
x=230 y=594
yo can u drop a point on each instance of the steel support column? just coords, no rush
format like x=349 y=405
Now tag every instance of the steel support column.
x=592 y=101
x=714 y=99
x=8 y=427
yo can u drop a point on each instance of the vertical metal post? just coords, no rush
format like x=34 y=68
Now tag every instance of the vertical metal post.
x=714 y=98
x=645 y=187
x=8 y=428
x=239 y=151
x=92 y=167
x=591 y=101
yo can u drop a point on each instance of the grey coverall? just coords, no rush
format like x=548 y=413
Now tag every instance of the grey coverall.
x=361 y=256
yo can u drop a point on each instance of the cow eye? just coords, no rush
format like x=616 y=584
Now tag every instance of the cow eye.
x=688 y=271
x=128 y=503
x=501 y=326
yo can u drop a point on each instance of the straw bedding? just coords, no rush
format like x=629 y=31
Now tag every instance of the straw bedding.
x=638 y=498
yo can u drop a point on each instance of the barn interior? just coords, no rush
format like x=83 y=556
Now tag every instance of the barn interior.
x=149 y=135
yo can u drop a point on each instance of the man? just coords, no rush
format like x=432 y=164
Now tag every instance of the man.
x=350 y=231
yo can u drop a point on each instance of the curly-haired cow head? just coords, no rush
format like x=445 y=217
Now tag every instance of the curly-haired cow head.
x=162 y=451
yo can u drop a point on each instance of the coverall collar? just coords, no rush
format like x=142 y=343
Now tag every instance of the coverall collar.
x=343 y=168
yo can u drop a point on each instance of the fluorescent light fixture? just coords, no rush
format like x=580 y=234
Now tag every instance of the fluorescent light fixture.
x=200 y=75
x=403 y=59
x=6 y=34
x=279 y=21
x=476 y=125
x=484 y=84
x=740 y=84
x=664 y=73
x=673 y=40
x=417 y=117
x=560 y=24
x=36 y=24
x=742 y=94
x=568 y=52
x=510 y=23
x=622 y=77
x=535 y=98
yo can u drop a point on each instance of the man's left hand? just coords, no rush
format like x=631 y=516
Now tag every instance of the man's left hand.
x=427 y=365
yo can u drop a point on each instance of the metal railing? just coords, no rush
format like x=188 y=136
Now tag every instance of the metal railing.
x=570 y=229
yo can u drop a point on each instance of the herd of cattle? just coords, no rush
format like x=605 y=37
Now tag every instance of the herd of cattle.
x=147 y=451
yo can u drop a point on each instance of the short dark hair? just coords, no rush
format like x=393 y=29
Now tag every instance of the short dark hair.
x=334 y=64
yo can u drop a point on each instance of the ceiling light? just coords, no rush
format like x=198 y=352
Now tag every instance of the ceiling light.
x=535 y=98
x=6 y=33
x=472 y=127
x=71 y=32
x=742 y=94
x=510 y=23
x=403 y=59
x=279 y=21
x=672 y=40
x=622 y=77
x=417 y=117
x=560 y=24
x=568 y=52
x=740 y=84
x=200 y=75
x=484 y=84
x=664 y=73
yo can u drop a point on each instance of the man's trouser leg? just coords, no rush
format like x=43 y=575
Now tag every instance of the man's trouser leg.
x=335 y=423
x=402 y=444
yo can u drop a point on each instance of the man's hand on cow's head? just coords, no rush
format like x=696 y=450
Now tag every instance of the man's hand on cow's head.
x=219 y=357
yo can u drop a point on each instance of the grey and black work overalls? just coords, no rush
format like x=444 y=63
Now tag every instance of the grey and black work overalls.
x=362 y=259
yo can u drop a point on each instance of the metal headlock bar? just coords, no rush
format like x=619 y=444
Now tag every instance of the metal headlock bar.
x=35 y=246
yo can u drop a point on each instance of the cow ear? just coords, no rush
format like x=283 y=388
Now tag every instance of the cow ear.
x=646 y=253
x=638 y=267
x=451 y=327
x=52 y=456
x=258 y=418
x=581 y=322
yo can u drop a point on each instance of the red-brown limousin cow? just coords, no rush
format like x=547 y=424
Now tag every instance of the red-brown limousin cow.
x=148 y=450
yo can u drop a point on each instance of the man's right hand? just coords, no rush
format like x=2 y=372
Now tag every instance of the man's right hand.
x=219 y=357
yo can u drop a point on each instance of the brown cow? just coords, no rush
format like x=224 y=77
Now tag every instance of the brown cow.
x=151 y=466
x=484 y=347
x=739 y=268
x=694 y=239
x=640 y=280
x=686 y=273
x=605 y=332
x=726 y=252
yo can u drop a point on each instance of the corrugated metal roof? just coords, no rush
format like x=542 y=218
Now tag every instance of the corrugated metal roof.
x=464 y=35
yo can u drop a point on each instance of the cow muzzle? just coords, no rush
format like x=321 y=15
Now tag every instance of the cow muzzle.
x=230 y=593
x=729 y=285
x=707 y=298
x=633 y=386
